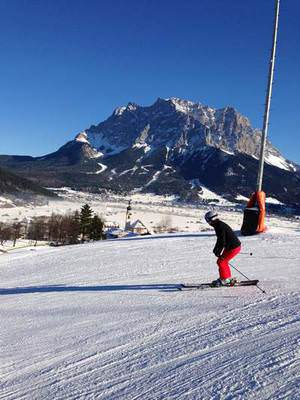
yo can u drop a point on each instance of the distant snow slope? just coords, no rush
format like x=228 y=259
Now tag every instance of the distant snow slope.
x=105 y=321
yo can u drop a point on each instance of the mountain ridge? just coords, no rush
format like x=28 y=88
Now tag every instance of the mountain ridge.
x=162 y=148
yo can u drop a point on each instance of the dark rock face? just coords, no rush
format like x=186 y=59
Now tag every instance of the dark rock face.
x=171 y=147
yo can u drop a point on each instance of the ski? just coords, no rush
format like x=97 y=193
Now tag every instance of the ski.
x=195 y=286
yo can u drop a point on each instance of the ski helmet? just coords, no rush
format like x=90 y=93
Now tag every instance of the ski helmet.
x=210 y=216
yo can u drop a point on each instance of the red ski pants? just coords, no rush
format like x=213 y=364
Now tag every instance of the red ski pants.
x=226 y=256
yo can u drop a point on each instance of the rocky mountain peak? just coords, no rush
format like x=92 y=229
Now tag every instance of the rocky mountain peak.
x=165 y=148
x=175 y=123
x=132 y=106
x=82 y=137
x=182 y=126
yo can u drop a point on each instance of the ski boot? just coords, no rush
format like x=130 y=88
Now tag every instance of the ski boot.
x=224 y=282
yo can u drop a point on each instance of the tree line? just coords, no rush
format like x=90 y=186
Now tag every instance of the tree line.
x=72 y=228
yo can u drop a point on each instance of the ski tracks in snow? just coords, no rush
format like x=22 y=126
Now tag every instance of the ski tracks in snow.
x=249 y=353
x=131 y=339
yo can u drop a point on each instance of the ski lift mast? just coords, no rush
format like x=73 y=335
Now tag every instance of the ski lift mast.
x=268 y=100
x=254 y=213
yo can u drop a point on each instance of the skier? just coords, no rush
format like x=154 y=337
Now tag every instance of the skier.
x=226 y=247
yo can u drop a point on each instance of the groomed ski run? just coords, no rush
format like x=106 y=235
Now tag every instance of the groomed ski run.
x=105 y=321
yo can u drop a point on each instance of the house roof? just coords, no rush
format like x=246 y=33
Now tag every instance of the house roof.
x=138 y=224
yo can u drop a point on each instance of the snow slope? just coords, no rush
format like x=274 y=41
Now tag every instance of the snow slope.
x=105 y=321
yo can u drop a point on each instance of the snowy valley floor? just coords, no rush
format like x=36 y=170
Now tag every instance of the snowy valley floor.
x=105 y=321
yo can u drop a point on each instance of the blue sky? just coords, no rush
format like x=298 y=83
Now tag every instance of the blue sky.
x=67 y=64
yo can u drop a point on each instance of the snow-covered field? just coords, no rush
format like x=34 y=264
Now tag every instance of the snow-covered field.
x=150 y=209
x=105 y=320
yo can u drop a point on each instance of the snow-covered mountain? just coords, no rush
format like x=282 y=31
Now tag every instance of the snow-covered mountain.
x=173 y=146
x=181 y=126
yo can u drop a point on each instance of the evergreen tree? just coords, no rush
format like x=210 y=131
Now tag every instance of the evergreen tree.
x=97 y=225
x=85 y=221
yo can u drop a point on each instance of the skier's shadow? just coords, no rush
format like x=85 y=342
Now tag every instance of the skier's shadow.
x=165 y=287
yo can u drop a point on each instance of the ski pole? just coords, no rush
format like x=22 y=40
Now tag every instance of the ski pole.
x=247 y=254
x=262 y=290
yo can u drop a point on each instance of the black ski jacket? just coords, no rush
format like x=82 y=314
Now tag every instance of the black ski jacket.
x=226 y=238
